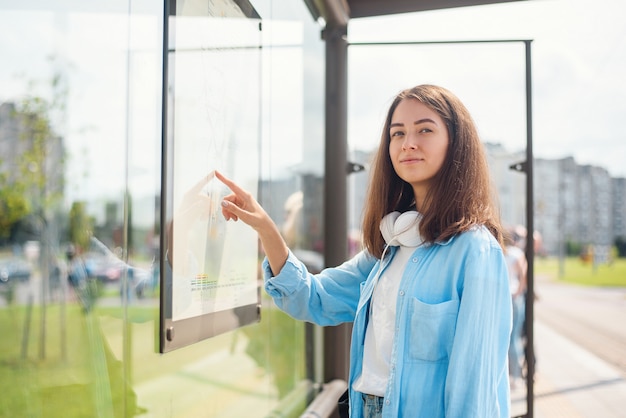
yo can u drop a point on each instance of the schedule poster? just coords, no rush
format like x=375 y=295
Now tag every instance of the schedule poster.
x=209 y=267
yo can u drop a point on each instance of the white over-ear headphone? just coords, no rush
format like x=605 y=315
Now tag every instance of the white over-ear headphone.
x=401 y=229
x=398 y=229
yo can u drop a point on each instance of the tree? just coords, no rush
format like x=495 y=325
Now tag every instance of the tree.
x=31 y=182
x=13 y=206
x=620 y=244
x=80 y=225
x=37 y=173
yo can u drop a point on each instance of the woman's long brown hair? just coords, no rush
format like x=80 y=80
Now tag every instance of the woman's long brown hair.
x=461 y=195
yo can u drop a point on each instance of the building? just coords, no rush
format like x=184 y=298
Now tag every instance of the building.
x=619 y=208
x=575 y=206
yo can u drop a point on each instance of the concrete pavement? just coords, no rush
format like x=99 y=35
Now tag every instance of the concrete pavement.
x=571 y=382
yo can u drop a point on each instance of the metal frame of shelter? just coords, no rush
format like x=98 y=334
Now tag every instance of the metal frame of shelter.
x=337 y=169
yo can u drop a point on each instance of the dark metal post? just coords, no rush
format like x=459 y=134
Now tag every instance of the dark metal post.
x=336 y=339
x=169 y=9
x=530 y=243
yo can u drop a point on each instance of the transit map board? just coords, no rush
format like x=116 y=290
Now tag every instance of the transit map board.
x=209 y=279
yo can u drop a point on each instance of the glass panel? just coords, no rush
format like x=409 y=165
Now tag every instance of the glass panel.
x=78 y=228
x=499 y=112
x=80 y=168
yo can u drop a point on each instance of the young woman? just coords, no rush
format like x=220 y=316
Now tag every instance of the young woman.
x=429 y=295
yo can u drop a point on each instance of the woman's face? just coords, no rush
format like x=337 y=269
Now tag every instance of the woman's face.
x=418 y=146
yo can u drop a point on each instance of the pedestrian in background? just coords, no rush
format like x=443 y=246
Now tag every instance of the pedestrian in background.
x=429 y=294
x=78 y=277
x=517 y=267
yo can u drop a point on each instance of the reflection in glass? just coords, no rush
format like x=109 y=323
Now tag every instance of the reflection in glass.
x=96 y=71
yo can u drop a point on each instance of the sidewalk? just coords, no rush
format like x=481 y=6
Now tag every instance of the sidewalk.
x=571 y=382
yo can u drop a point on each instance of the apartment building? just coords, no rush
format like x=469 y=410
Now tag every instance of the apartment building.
x=574 y=205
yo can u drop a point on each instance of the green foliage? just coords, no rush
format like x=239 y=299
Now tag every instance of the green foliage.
x=81 y=225
x=573 y=248
x=13 y=206
x=620 y=246
x=34 y=187
x=36 y=163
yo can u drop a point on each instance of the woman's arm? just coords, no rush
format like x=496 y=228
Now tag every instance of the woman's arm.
x=328 y=298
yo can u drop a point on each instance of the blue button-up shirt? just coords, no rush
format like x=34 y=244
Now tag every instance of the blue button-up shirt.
x=453 y=321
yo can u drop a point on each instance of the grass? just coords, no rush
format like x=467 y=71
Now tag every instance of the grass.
x=70 y=379
x=82 y=370
x=575 y=271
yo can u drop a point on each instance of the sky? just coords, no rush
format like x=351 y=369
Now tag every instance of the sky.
x=92 y=59
x=578 y=68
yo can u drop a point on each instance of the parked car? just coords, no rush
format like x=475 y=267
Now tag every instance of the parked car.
x=101 y=263
x=104 y=265
x=14 y=269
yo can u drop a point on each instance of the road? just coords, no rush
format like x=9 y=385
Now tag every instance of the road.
x=580 y=348
x=592 y=317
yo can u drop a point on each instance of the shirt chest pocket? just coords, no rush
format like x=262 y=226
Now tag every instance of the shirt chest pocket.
x=431 y=330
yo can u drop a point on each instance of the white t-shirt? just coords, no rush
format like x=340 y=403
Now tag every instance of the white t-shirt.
x=398 y=230
x=380 y=328
x=513 y=255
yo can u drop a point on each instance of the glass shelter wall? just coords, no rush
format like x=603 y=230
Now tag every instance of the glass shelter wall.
x=80 y=210
x=498 y=111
